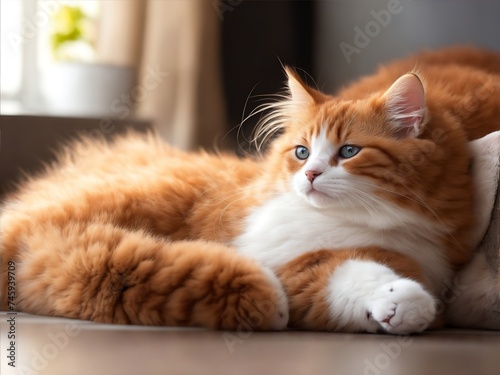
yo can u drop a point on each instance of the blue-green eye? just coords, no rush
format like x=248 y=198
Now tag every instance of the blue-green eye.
x=301 y=152
x=349 y=151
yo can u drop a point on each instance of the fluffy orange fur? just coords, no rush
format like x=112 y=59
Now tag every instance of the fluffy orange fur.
x=138 y=232
x=108 y=234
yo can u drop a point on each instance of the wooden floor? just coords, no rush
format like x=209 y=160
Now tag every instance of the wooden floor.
x=58 y=346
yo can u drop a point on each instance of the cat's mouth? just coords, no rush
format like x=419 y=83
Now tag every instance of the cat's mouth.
x=318 y=193
x=314 y=195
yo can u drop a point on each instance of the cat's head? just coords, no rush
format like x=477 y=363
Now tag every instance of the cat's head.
x=367 y=154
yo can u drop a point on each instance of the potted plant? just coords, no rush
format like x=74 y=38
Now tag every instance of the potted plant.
x=76 y=83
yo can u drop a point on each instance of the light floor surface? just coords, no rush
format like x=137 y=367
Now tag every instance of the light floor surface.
x=56 y=346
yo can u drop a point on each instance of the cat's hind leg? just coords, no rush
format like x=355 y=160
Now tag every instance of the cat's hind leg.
x=109 y=274
x=354 y=291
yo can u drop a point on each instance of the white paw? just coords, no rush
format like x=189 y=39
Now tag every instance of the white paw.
x=402 y=307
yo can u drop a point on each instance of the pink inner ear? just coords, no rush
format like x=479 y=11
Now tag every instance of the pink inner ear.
x=406 y=105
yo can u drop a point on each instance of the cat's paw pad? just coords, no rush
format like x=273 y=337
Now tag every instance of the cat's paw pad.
x=402 y=307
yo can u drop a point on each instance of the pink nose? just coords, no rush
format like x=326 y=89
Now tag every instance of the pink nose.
x=311 y=175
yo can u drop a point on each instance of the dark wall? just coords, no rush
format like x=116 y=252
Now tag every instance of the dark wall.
x=29 y=142
x=398 y=28
x=257 y=37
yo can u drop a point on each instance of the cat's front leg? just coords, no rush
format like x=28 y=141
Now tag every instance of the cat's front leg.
x=361 y=290
x=374 y=298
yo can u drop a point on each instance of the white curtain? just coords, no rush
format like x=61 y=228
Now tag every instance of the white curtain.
x=175 y=47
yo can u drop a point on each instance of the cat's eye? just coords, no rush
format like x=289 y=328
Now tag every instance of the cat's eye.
x=301 y=152
x=348 y=151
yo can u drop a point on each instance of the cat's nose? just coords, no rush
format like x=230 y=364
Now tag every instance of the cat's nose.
x=311 y=175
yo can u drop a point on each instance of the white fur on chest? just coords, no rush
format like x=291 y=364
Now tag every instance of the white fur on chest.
x=287 y=227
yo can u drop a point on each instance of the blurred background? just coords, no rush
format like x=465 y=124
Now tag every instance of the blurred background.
x=194 y=69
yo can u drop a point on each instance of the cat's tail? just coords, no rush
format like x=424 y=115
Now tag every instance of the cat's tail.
x=108 y=274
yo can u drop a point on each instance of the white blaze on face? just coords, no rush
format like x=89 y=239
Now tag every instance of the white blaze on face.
x=319 y=193
x=322 y=151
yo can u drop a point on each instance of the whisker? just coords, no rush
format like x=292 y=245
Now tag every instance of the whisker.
x=420 y=201
x=218 y=225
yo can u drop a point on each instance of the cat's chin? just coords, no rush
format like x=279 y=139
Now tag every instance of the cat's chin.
x=318 y=199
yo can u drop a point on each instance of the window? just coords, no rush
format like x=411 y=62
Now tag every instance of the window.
x=26 y=49
x=10 y=48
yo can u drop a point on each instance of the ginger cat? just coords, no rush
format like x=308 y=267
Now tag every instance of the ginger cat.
x=353 y=220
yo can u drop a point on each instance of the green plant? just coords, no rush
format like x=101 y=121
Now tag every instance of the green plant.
x=70 y=25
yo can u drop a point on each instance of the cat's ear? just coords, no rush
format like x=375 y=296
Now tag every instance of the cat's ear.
x=405 y=104
x=301 y=95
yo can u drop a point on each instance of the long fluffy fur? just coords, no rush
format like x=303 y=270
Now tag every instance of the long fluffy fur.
x=138 y=232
